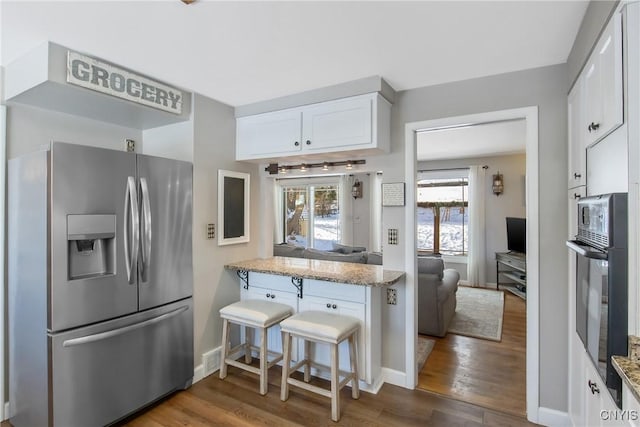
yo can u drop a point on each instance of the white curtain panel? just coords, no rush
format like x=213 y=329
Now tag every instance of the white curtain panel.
x=346 y=210
x=476 y=260
x=278 y=205
x=375 y=226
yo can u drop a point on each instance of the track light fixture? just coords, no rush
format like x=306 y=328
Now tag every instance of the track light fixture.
x=275 y=168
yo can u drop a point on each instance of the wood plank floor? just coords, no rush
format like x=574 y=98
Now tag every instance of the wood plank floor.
x=236 y=402
x=486 y=373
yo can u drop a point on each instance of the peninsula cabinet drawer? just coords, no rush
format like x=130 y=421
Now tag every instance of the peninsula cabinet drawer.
x=339 y=291
x=271 y=282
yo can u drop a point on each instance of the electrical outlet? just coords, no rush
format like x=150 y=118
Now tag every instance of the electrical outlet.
x=211 y=231
x=392 y=296
x=392 y=236
x=211 y=361
x=130 y=145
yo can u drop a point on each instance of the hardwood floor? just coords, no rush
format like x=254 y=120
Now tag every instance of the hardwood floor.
x=236 y=402
x=486 y=373
x=489 y=374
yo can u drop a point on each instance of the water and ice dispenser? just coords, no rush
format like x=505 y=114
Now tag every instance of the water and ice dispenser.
x=91 y=245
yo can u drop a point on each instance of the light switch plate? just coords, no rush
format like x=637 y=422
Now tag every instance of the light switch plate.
x=211 y=231
x=392 y=236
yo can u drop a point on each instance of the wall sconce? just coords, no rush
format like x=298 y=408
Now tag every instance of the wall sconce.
x=356 y=189
x=498 y=184
x=275 y=168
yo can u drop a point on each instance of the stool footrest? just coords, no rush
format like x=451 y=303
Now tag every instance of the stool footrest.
x=250 y=368
x=309 y=387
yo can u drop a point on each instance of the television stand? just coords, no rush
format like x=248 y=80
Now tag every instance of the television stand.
x=512 y=266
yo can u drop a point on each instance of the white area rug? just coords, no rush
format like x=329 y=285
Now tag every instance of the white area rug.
x=425 y=346
x=479 y=313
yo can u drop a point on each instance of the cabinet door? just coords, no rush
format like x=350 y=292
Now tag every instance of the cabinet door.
x=335 y=125
x=603 y=83
x=577 y=379
x=577 y=137
x=268 y=134
x=274 y=337
x=320 y=352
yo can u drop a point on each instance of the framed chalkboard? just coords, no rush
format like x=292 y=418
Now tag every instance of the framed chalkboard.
x=233 y=207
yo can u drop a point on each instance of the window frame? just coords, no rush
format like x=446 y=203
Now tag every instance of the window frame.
x=442 y=174
x=310 y=183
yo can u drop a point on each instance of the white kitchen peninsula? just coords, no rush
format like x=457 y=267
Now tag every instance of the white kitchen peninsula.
x=337 y=287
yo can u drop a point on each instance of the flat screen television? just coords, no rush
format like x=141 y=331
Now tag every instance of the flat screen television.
x=517 y=234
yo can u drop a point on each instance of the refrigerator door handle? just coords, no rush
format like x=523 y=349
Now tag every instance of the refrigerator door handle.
x=145 y=232
x=131 y=225
x=125 y=329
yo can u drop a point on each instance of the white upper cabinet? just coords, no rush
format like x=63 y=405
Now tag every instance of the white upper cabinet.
x=331 y=125
x=577 y=136
x=264 y=135
x=359 y=124
x=603 y=83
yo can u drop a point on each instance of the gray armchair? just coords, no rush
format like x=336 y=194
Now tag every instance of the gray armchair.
x=437 y=289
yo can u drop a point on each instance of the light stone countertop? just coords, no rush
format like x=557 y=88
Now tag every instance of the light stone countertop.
x=629 y=367
x=330 y=271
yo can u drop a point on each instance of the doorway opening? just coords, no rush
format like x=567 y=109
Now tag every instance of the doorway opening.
x=529 y=117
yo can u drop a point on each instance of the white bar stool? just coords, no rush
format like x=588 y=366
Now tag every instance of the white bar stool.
x=256 y=314
x=327 y=328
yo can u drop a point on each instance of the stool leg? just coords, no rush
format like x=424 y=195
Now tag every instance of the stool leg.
x=307 y=359
x=264 y=376
x=225 y=348
x=286 y=358
x=335 y=381
x=353 y=355
x=248 y=340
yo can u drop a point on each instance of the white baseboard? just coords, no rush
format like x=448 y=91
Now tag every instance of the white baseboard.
x=6 y=415
x=198 y=373
x=394 y=377
x=553 y=417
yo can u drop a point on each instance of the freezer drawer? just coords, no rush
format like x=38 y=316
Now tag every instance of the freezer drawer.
x=103 y=372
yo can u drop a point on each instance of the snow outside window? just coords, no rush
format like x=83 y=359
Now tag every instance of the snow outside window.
x=311 y=214
x=443 y=212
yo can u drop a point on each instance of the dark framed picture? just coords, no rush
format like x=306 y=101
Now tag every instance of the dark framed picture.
x=233 y=207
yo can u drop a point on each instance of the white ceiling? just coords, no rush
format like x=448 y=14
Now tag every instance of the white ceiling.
x=481 y=140
x=244 y=52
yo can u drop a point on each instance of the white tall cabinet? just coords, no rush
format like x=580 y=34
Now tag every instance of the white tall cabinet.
x=595 y=110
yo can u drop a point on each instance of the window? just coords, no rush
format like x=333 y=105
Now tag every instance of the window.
x=443 y=218
x=311 y=215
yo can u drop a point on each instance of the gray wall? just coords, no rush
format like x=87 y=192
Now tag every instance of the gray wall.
x=543 y=87
x=215 y=287
x=30 y=128
x=509 y=203
x=595 y=17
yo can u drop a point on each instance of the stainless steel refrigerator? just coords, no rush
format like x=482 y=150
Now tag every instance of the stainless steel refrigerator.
x=100 y=284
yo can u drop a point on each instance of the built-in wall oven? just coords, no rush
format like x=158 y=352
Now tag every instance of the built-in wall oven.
x=601 y=282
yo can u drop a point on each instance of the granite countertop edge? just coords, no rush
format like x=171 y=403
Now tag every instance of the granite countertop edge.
x=629 y=371
x=389 y=278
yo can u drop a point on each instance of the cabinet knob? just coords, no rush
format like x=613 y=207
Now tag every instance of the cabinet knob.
x=297 y=143
x=593 y=126
x=308 y=142
x=334 y=306
x=273 y=296
x=328 y=305
x=593 y=387
x=576 y=175
x=268 y=295
x=576 y=196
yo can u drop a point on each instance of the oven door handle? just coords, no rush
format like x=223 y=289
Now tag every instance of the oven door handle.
x=586 y=251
